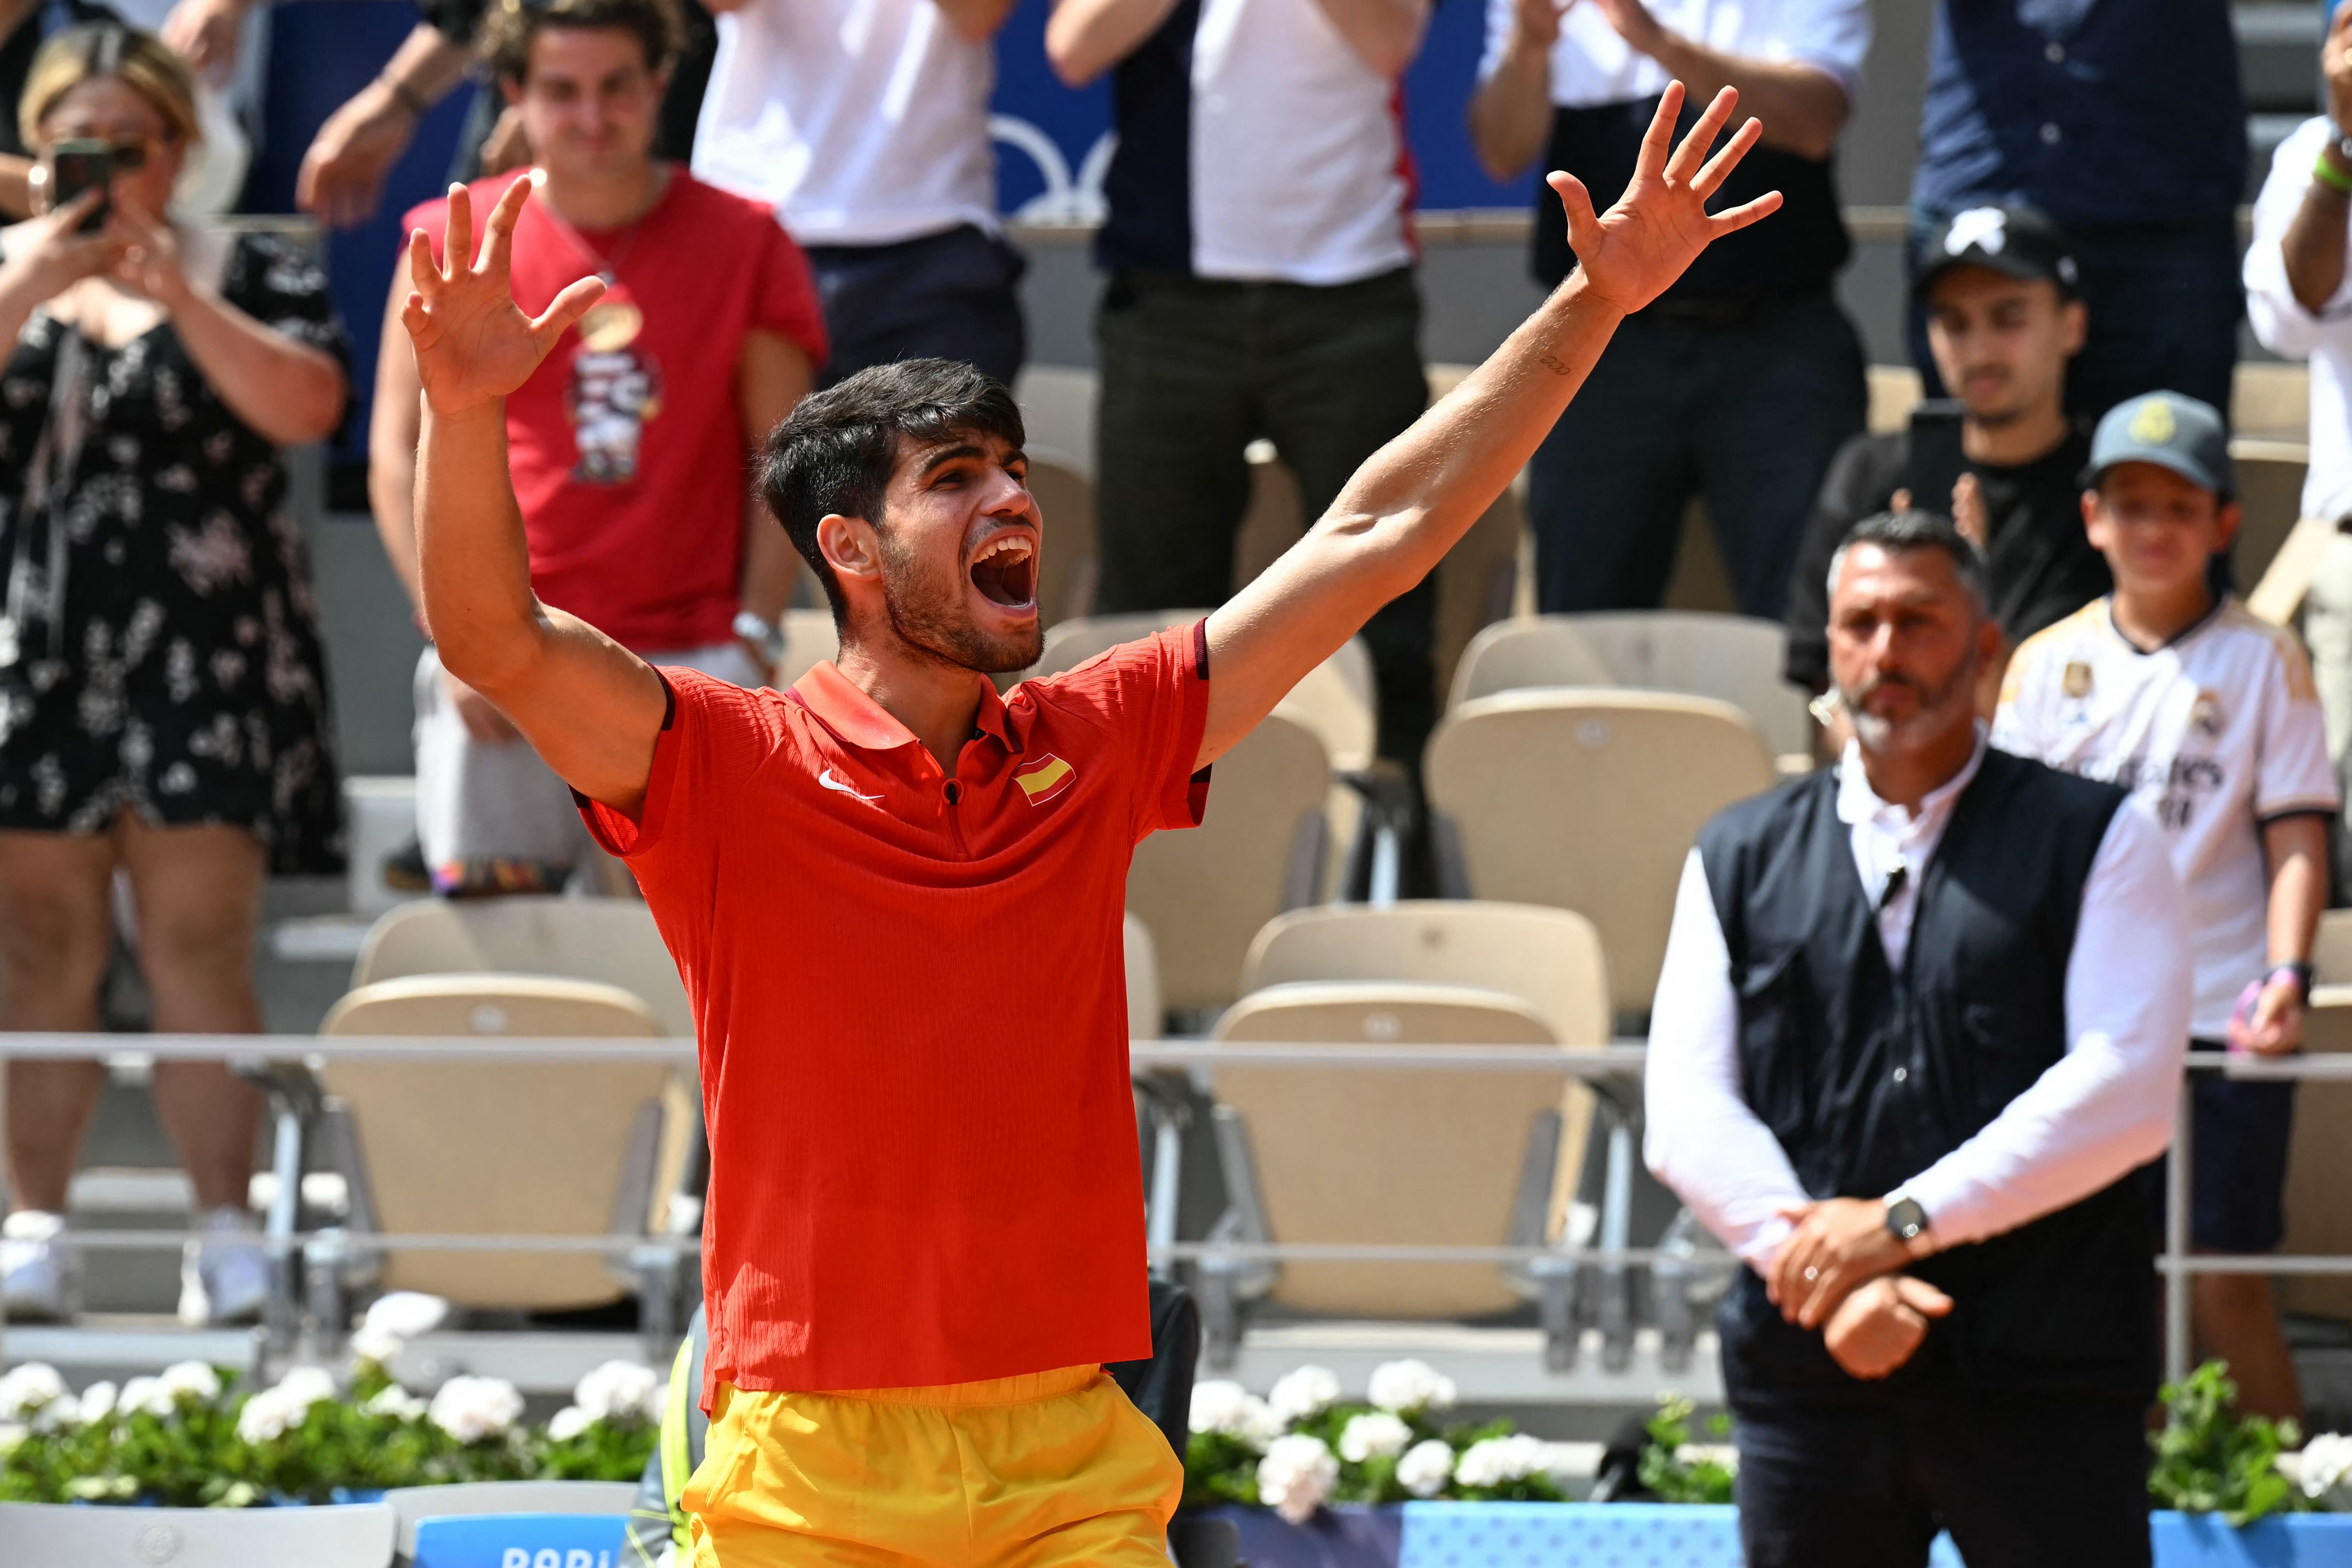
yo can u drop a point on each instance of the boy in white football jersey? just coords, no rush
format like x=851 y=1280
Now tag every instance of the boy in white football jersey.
x=2207 y=715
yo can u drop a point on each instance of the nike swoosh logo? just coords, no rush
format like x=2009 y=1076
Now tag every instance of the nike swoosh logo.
x=824 y=777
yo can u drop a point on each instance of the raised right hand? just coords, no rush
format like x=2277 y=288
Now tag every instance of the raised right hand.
x=55 y=256
x=474 y=345
x=1539 y=21
x=2335 y=66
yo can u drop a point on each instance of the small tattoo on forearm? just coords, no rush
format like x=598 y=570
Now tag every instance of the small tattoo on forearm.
x=1553 y=364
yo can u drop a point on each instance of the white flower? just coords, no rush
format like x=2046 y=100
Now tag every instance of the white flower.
x=1307 y=1392
x=11 y=1435
x=1374 y=1433
x=97 y=1403
x=405 y=1314
x=378 y=1346
x=1493 y=1462
x=59 y=1414
x=1426 y=1467
x=191 y=1380
x=395 y=1401
x=146 y=1396
x=1296 y=1477
x=1260 y=1424
x=265 y=1417
x=304 y=1386
x=2325 y=1461
x=619 y=1390
x=569 y=1423
x=29 y=1387
x=1216 y=1406
x=472 y=1409
x=1402 y=1386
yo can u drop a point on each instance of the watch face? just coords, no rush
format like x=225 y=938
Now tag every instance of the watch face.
x=1906 y=1218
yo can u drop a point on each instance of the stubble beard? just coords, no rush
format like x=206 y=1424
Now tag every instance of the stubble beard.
x=927 y=614
x=1878 y=733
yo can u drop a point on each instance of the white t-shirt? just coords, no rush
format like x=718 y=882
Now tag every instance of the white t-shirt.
x=1592 y=65
x=2285 y=328
x=861 y=122
x=2216 y=733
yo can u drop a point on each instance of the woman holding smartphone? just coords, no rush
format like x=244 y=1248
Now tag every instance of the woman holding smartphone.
x=163 y=695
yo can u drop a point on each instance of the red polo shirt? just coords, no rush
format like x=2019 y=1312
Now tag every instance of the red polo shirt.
x=910 y=997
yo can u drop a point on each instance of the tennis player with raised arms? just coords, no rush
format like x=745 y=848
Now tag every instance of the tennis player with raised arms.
x=896 y=898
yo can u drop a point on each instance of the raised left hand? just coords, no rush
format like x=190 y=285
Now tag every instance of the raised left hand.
x=1969 y=513
x=1838 y=1244
x=1630 y=254
x=150 y=263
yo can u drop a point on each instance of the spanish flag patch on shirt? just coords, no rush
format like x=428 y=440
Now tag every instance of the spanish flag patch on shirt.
x=1043 y=779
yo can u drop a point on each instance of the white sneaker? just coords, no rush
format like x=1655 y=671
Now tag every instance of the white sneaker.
x=37 y=1269
x=224 y=1279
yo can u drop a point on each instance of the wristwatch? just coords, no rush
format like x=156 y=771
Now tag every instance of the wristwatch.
x=1904 y=1218
x=763 y=633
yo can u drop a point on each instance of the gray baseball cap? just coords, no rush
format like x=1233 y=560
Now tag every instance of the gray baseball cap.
x=2170 y=430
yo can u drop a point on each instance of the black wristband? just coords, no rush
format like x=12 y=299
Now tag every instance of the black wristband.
x=2301 y=971
x=406 y=97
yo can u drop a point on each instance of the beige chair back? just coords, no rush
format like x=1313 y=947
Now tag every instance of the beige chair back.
x=1387 y=1157
x=611 y=940
x=1145 y=1018
x=2319 y=1166
x=499 y=1148
x=1733 y=658
x=1070 y=563
x=1590 y=800
x=1205 y=892
x=1549 y=958
x=810 y=639
x=2270 y=502
x=2331 y=949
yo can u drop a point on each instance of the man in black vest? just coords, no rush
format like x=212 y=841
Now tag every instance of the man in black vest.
x=1921 y=1015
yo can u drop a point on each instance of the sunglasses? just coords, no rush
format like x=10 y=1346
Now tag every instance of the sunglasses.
x=128 y=157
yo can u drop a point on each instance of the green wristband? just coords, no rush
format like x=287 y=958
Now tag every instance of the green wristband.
x=2328 y=174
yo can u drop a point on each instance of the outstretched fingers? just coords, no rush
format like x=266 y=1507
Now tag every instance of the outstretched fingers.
x=424 y=272
x=1737 y=218
x=499 y=244
x=563 y=311
x=1684 y=165
x=1659 y=139
x=1583 y=223
x=458 y=238
x=1711 y=175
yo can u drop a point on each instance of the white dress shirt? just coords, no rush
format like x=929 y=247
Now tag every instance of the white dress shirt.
x=2285 y=328
x=1592 y=65
x=2104 y=1108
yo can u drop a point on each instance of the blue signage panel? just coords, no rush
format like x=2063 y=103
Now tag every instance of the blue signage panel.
x=522 y=1541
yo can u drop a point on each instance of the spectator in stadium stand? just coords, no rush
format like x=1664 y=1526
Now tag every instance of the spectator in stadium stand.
x=342 y=173
x=162 y=693
x=1920 y=1019
x=22 y=26
x=933 y=1194
x=1260 y=257
x=864 y=123
x=1743 y=380
x=2206 y=713
x=2127 y=124
x=2299 y=301
x=2003 y=321
x=629 y=444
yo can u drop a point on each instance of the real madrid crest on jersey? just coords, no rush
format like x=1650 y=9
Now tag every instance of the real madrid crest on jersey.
x=2076 y=681
x=2205 y=715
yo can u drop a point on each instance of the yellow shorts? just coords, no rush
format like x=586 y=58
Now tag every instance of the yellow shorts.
x=1019 y=1472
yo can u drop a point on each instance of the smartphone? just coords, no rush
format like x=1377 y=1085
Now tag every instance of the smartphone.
x=1937 y=461
x=74 y=167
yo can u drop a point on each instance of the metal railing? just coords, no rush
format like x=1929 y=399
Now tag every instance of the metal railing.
x=1613 y=1070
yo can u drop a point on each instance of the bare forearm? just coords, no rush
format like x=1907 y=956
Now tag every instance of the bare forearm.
x=2314 y=246
x=428 y=63
x=1802 y=107
x=1085 y=38
x=16 y=191
x=2296 y=849
x=976 y=20
x=1385 y=34
x=1510 y=114
x=473 y=557
x=392 y=496
x=284 y=391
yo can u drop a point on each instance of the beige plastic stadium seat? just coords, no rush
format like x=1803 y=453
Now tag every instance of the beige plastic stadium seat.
x=1590 y=800
x=810 y=639
x=2331 y=949
x=1733 y=658
x=2270 y=501
x=1144 y=1013
x=564 y=1148
x=2319 y=1166
x=1070 y=563
x=1380 y=1157
x=613 y=940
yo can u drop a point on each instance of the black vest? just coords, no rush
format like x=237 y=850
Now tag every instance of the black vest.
x=1868 y=1076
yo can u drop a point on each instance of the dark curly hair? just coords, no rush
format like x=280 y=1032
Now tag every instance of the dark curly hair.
x=508 y=26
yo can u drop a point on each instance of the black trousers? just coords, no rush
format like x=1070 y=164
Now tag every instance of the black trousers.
x=1193 y=370
x=1867 y=1481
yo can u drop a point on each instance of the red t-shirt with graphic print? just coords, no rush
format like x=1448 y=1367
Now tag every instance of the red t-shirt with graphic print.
x=910 y=996
x=627 y=443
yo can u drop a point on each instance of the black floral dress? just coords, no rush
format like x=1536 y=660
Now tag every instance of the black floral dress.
x=175 y=670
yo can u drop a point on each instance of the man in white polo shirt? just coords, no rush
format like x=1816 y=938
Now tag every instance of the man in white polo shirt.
x=1261 y=285
x=864 y=124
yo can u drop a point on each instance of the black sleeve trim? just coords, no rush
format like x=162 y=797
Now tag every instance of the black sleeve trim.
x=669 y=718
x=1201 y=648
x=2325 y=814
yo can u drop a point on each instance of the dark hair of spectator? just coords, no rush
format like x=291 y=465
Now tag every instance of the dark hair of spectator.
x=1898 y=533
x=833 y=455
x=508 y=28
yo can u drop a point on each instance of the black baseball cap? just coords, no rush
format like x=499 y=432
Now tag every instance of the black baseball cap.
x=2018 y=240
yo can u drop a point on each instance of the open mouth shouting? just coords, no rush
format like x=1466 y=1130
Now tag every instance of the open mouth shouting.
x=1004 y=570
